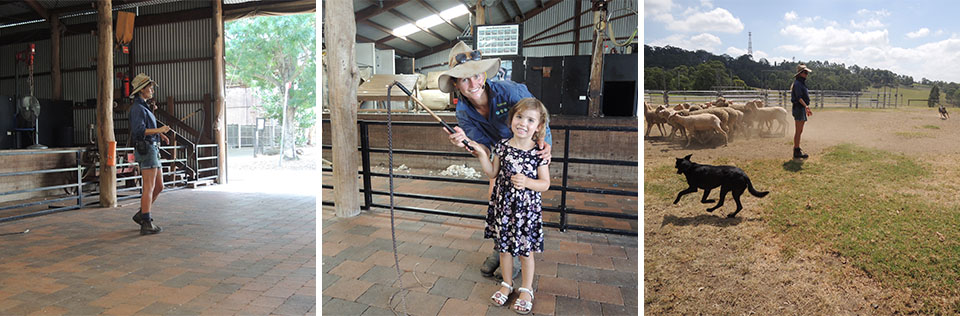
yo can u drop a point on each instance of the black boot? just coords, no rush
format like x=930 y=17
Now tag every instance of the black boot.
x=490 y=265
x=148 y=228
x=137 y=217
x=798 y=153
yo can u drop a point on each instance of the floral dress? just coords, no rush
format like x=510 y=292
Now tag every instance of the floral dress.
x=514 y=218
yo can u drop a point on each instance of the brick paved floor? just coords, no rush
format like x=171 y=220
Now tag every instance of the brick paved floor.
x=578 y=273
x=220 y=253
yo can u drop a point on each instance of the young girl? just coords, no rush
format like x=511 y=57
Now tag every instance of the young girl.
x=514 y=220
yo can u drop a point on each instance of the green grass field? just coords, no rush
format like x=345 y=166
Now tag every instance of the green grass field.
x=915 y=92
x=871 y=207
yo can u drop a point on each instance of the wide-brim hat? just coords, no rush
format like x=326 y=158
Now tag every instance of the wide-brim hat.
x=466 y=69
x=141 y=81
x=802 y=68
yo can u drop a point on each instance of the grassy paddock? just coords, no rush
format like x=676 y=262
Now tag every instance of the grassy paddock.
x=871 y=207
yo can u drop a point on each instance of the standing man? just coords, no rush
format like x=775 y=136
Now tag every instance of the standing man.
x=482 y=112
x=800 y=98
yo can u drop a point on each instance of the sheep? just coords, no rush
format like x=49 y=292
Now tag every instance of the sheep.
x=736 y=119
x=665 y=113
x=720 y=113
x=698 y=122
x=769 y=114
x=652 y=119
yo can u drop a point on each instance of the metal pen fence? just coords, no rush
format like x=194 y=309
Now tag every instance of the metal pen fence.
x=780 y=98
x=185 y=155
x=563 y=210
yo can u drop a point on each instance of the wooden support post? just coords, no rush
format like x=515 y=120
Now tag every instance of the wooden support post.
x=596 y=68
x=108 y=173
x=481 y=18
x=55 y=76
x=219 y=132
x=576 y=28
x=344 y=80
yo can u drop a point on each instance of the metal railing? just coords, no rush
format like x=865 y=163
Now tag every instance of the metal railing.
x=781 y=98
x=187 y=156
x=564 y=188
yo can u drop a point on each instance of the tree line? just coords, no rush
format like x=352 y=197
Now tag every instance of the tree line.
x=672 y=68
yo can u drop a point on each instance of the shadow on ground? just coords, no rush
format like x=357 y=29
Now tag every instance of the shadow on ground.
x=705 y=219
x=793 y=165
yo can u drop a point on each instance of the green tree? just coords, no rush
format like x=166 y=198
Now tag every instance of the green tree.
x=277 y=57
x=934 y=97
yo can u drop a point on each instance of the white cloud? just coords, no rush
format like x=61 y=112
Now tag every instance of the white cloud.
x=868 y=13
x=919 y=33
x=938 y=33
x=868 y=24
x=704 y=41
x=655 y=7
x=707 y=4
x=789 y=16
x=831 y=41
x=716 y=20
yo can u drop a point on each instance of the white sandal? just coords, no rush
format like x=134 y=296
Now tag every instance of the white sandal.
x=522 y=306
x=499 y=298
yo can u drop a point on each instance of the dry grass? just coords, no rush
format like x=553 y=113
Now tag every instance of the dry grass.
x=853 y=231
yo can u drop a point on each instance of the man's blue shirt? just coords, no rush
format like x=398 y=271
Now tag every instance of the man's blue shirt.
x=502 y=95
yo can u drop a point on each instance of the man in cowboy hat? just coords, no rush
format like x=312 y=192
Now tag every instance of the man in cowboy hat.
x=146 y=136
x=800 y=98
x=482 y=111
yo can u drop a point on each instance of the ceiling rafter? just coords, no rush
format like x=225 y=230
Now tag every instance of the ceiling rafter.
x=505 y=12
x=412 y=21
x=516 y=5
x=434 y=11
x=374 y=10
x=391 y=34
x=534 y=12
x=39 y=9
x=364 y=39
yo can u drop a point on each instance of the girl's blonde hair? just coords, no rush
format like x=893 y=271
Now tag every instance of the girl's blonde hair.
x=532 y=104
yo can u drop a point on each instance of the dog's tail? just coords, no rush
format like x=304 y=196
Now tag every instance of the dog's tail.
x=754 y=191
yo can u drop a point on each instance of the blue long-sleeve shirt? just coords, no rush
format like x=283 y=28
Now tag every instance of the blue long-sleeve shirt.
x=800 y=92
x=502 y=95
x=141 y=118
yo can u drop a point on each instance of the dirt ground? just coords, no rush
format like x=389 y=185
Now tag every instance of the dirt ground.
x=696 y=263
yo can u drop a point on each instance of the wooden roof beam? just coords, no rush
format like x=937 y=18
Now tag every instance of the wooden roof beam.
x=37 y=7
x=434 y=11
x=534 y=12
x=516 y=5
x=364 y=39
x=505 y=12
x=389 y=31
x=412 y=21
x=373 y=10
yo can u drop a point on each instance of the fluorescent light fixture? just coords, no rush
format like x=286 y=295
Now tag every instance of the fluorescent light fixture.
x=429 y=21
x=406 y=30
x=453 y=12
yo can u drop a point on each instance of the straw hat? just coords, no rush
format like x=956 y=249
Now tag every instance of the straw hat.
x=802 y=68
x=141 y=81
x=467 y=68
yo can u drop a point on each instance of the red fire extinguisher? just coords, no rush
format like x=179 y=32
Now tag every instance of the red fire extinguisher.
x=126 y=83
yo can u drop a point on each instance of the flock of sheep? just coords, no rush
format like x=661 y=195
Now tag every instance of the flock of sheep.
x=720 y=117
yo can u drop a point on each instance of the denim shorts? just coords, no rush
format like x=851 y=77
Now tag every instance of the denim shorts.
x=149 y=160
x=799 y=113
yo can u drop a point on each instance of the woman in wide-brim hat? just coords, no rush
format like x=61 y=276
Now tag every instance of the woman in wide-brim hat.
x=146 y=137
x=800 y=97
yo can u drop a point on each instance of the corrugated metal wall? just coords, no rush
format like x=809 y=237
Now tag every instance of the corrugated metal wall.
x=546 y=19
x=184 y=81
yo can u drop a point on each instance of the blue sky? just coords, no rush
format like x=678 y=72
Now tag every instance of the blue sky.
x=915 y=38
